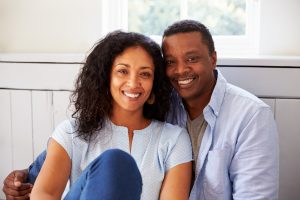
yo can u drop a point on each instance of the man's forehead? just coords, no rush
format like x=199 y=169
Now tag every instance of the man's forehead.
x=188 y=38
x=184 y=35
x=184 y=43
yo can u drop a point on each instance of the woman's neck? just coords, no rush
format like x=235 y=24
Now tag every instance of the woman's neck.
x=131 y=120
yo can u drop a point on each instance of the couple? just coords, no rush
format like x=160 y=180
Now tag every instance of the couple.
x=122 y=99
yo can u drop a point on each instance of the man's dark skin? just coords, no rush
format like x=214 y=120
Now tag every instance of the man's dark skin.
x=15 y=186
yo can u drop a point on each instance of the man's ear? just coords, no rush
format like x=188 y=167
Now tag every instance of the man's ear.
x=213 y=58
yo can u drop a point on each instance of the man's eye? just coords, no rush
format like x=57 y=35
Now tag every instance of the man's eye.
x=169 y=62
x=192 y=59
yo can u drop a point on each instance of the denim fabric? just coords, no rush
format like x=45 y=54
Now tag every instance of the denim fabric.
x=35 y=167
x=113 y=175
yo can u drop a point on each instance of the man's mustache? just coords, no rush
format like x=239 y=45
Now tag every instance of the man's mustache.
x=183 y=76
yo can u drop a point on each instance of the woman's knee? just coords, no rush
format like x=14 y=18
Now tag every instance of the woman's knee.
x=115 y=160
x=115 y=174
x=117 y=166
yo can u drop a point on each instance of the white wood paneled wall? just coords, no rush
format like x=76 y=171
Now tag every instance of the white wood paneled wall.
x=26 y=122
x=5 y=136
x=30 y=111
x=27 y=119
x=288 y=120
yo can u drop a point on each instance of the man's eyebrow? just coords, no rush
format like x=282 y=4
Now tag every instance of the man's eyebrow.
x=192 y=52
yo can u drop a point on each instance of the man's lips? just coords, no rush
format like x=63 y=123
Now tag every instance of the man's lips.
x=185 y=81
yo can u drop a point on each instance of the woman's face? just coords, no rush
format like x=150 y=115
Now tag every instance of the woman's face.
x=131 y=80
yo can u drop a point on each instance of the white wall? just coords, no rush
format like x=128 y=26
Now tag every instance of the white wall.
x=49 y=26
x=73 y=26
x=279 y=27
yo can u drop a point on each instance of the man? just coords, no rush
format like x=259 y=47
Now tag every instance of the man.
x=233 y=133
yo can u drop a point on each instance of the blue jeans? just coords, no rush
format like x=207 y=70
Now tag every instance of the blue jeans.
x=113 y=175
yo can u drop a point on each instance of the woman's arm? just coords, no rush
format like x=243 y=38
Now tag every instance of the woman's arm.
x=52 y=179
x=177 y=183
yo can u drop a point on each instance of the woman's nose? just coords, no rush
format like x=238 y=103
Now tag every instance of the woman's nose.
x=133 y=81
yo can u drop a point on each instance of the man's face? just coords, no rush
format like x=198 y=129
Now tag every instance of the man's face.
x=189 y=65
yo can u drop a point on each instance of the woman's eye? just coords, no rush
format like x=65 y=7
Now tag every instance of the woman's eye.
x=146 y=74
x=122 y=71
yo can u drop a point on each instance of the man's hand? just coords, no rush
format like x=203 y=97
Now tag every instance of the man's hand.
x=14 y=185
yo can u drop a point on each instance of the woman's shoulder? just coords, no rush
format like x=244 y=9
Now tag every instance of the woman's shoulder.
x=174 y=145
x=67 y=126
x=168 y=127
x=170 y=131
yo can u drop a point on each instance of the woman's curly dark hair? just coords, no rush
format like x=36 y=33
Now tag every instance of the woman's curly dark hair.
x=92 y=98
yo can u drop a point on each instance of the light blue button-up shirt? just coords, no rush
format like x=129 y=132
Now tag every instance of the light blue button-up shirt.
x=238 y=157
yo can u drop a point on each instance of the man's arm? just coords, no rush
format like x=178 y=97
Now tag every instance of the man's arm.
x=18 y=184
x=255 y=166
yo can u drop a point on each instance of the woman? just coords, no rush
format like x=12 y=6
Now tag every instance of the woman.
x=121 y=99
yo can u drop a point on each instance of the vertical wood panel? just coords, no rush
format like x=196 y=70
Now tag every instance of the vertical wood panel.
x=60 y=103
x=288 y=121
x=21 y=128
x=270 y=102
x=42 y=117
x=5 y=137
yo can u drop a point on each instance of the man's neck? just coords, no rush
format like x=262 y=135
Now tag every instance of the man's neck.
x=195 y=106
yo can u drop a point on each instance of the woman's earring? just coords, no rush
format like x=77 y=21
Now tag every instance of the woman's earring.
x=151 y=99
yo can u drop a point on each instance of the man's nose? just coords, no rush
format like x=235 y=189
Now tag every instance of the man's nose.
x=181 y=67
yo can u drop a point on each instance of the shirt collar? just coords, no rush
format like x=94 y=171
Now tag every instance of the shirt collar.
x=218 y=94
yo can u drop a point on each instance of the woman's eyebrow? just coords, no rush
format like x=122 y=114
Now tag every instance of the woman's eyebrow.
x=127 y=65
x=146 y=67
x=124 y=64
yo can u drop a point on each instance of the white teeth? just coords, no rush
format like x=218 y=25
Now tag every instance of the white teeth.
x=132 y=95
x=184 y=82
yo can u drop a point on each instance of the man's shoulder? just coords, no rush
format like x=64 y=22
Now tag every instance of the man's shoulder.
x=232 y=100
x=242 y=97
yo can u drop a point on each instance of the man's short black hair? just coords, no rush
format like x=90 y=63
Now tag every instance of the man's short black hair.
x=185 y=26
